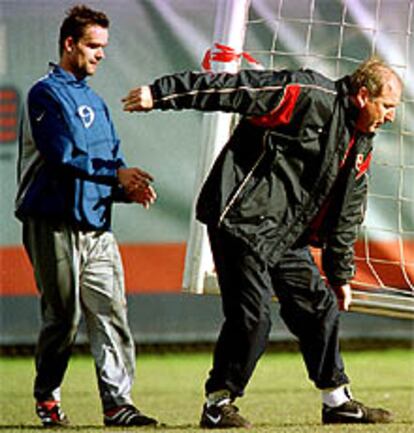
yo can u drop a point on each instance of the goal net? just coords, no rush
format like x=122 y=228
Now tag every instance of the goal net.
x=333 y=37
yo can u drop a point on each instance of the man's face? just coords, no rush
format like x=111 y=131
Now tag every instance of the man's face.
x=375 y=111
x=84 y=55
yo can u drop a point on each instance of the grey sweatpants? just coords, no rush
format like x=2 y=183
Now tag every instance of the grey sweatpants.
x=80 y=272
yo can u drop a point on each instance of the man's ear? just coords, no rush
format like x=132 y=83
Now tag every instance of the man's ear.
x=69 y=44
x=362 y=97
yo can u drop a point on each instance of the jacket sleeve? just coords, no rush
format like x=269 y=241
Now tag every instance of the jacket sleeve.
x=118 y=192
x=338 y=253
x=247 y=92
x=52 y=135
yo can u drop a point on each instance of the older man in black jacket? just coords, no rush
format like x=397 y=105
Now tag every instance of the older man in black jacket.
x=293 y=174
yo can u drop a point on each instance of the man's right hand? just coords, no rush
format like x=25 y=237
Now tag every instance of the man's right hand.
x=138 y=99
x=133 y=178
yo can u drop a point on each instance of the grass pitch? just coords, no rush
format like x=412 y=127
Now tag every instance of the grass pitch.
x=170 y=387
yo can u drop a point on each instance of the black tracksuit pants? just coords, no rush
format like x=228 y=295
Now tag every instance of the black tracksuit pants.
x=307 y=306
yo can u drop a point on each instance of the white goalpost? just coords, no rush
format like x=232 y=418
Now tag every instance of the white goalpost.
x=331 y=36
x=229 y=31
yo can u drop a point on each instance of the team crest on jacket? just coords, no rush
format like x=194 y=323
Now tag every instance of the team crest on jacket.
x=361 y=164
x=87 y=115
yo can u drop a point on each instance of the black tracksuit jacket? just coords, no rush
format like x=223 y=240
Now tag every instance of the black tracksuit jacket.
x=294 y=169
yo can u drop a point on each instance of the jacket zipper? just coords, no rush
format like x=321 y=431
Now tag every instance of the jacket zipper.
x=243 y=183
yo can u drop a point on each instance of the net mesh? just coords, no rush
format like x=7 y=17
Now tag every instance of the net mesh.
x=333 y=37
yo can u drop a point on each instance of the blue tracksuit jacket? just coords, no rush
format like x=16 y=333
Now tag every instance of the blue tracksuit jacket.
x=68 y=154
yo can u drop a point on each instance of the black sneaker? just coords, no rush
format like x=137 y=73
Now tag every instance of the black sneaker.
x=354 y=412
x=126 y=416
x=222 y=416
x=51 y=414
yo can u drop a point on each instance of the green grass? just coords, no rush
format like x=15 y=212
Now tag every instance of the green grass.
x=279 y=398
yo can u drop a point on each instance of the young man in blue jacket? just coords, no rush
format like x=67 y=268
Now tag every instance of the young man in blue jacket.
x=293 y=174
x=70 y=172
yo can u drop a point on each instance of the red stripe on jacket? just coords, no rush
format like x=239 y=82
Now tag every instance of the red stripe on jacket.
x=282 y=114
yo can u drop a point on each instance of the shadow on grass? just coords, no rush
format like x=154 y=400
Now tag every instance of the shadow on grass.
x=276 y=391
x=107 y=429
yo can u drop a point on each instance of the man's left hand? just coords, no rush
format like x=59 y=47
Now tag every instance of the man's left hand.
x=344 y=295
x=142 y=194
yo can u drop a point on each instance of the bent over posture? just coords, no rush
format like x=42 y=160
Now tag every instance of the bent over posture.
x=70 y=171
x=293 y=174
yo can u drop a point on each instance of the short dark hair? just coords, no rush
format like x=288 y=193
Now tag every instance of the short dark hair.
x=372 y=74
x=77 y=19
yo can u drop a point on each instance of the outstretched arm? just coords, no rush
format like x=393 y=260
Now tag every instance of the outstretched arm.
x=247 y=92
